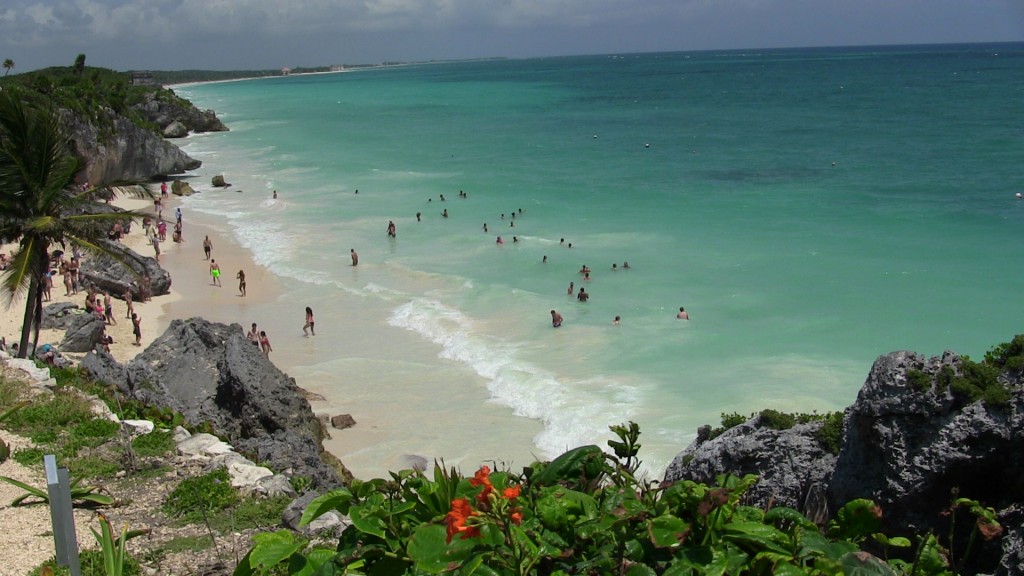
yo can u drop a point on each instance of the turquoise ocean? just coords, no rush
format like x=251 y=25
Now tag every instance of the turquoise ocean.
x=812 y=209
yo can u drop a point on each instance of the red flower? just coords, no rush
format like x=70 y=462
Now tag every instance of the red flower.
x=517 y=517
x=511 y=493
x=456 y=520
x=482 y=478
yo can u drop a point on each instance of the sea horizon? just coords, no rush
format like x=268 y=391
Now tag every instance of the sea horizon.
x=812 y=209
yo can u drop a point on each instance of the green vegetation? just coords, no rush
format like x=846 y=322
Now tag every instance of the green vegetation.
x=196 y=498
x=80 y=495
x=37 y=185
x=558 y=518
x=156 y=443
x=976 y=381
x=830 y=435
x=92 y=564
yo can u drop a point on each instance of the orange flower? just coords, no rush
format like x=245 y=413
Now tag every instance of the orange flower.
x=482 y=478
x=517 y=517
x=456 y=520
x=511 y=493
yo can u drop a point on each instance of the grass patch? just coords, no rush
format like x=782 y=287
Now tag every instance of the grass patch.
x=29 y=456
x=257 y=513
x=187 y=544
x=199 y=497
x=156 y=443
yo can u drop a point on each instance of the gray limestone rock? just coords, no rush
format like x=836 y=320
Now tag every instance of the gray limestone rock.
x=124 y=269
x=211 y=373
x=83 y=334
x=789 y=462
x=175 y=130
x=181 y=188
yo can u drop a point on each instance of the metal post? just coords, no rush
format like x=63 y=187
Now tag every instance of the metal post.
x=58 y=486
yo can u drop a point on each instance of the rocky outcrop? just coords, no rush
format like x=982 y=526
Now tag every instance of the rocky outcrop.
x=175 y=130
x=123 y=150
x=122 y=270
x=792 y=464
x=218 y=181
x=911 y=442
x=212 y=374
x=163 y=109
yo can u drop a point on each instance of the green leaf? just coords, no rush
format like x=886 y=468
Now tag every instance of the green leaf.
x=668 y=531
x=857 y=520
x=431 y=554
x=273 y=548
x=334 y=500
x=244 y=568
x=365 y=518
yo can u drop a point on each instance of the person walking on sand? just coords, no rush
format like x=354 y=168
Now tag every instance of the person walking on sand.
x=682 y=314
x=136 y=328
x=265 y=343
x=241 y=281
x=128 y=300
x=207 y=247
x=355 y=257
x=309 y=322
x=556 y=319
x=215 y=272
x=108 y=309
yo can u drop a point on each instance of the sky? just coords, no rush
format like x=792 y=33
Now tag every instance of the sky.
x=272 y=34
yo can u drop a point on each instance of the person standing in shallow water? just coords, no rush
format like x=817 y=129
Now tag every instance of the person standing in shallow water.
x=309 y=322
x=556 y=319
x=355 y=257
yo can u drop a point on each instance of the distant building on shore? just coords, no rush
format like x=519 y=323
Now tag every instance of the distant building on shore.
x=286 y=71
x=337 y=67
x=142 y=79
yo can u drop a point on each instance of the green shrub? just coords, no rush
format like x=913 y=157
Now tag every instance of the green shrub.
x=502 y=523
x=197 y=497
x=156 y=443
x=919 y=380
x=830 y=435
x=777 y=420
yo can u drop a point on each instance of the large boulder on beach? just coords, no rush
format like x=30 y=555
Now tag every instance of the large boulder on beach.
x=210 y=373
x=124 y=270
x=181 y=188
x=58 y=315
x=218 y=181
x=84 y=332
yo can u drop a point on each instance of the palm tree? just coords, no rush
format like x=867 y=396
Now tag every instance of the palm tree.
x=79 y=65
x=40 y=204
x=8 y=64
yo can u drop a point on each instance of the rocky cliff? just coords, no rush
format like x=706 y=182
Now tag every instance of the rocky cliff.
x=213 y=375
x=123 y=151
x=917 y=436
